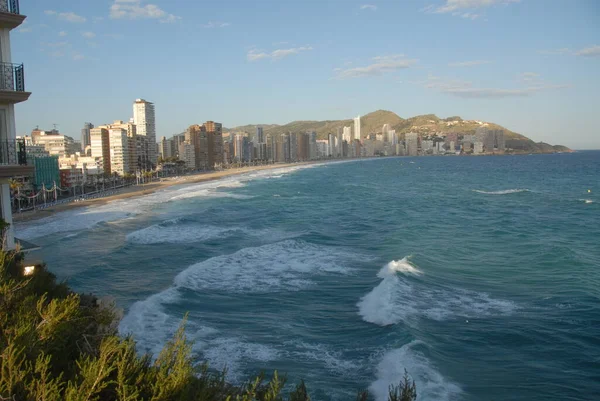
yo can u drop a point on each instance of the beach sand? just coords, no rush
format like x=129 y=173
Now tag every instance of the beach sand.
x=146 y=189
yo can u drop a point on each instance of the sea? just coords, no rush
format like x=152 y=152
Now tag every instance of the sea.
x=478 y=276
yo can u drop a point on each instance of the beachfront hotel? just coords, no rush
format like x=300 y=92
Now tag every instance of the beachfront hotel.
x=13 y=160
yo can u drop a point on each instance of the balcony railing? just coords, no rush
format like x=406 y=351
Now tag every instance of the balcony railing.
x=12 y=77
x=9 y=6
x=12 y=152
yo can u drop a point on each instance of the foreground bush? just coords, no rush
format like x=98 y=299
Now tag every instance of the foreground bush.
x=59 y=345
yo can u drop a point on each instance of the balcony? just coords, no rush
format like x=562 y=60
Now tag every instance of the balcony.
x=13 y=159
x=12 y=83
x=10 y=15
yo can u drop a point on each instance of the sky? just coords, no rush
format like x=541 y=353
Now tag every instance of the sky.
x=532 y=66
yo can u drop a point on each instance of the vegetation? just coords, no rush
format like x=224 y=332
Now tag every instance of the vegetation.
x=59 y=345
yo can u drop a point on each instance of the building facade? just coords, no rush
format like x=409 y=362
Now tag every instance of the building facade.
x=145 y=122
x=85 y=136
x=100 y=144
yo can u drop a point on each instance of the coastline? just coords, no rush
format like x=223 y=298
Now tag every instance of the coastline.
x=147 y=189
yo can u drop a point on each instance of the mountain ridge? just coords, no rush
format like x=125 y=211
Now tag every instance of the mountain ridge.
x=423 y=124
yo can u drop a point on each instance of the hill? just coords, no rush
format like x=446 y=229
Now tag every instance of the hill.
x=423 y=124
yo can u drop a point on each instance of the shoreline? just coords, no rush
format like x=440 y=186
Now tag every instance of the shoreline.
x=147 y=189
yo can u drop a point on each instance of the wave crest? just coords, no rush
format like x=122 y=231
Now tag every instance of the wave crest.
x=396 y=299
x=431 y=384
x=503 y=192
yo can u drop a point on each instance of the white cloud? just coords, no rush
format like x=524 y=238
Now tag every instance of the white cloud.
x=136 y=9
x=592 y=51
x=469 y=63
x=62 y=34
x=465 y=89
x=255 y=55
x=371 y=7
x=88 y=35
x=455 y=5
x=212 y=24
x=382 y=65
x=67 y=16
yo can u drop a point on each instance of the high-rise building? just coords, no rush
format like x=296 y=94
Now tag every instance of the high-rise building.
x=120 y=157
x=85 y=135
x=145 y=121
x=385 y=132
x=238 y=147
x=100 y=143
x=303 y=147
x=214 y=133
x=323 y=148
x=357 y=133
x=260 y=137
x=331 y=145
x=165 y=148
x=347 y=136
x=187 y=154
x=412 y=143
x=312 y=145
x=393 y=137
x=485 y=136
x=340 y=143
x=293 y=147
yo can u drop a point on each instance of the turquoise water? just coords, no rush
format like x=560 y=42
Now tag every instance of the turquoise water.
x=479 y=275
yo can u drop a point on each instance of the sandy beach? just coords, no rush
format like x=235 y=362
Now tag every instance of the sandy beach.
x=145 y=189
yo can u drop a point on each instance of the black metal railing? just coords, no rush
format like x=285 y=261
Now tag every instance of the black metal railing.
x=12 y=152
x=12 y=77
x=9 y=6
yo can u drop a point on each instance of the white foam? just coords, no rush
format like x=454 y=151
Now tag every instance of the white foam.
x=88 y=217
x=397 y=300
x=504 y=192
x=430 y=383
x=232 y=353
x=402 y=266
x=288 y=265
x=170 y=232
x=321 y=354
x=588 y=201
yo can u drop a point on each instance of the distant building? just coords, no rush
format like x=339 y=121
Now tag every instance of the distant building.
x=55 y=143
x=145 y=121
x=85 y=135
x=393 y=137
x=187 y=154
x=412 y=144
x=46 y=172
x=260 y=136
x=486 y=137
x=166 y=148
x=323 y=149
x=293 y=147
x=312 y=145
x=99 y=138
x=347 y=135
x=120 y=160
x=385 y=133
x=357 y=133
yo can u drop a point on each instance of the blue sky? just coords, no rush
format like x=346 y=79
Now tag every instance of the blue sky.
x=532 y=66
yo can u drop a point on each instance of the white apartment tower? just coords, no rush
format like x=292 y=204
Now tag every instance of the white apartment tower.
x=13 y=161
x=347 y=135
x=120 y=158
x=357 y=128
x=145 y=121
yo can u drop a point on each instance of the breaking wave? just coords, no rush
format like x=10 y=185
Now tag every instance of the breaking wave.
x=431 y=384
x=283 y=266
x=397 y=299
x=504 y=192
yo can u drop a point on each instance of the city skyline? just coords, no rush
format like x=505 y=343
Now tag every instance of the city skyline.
x=441 y=56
